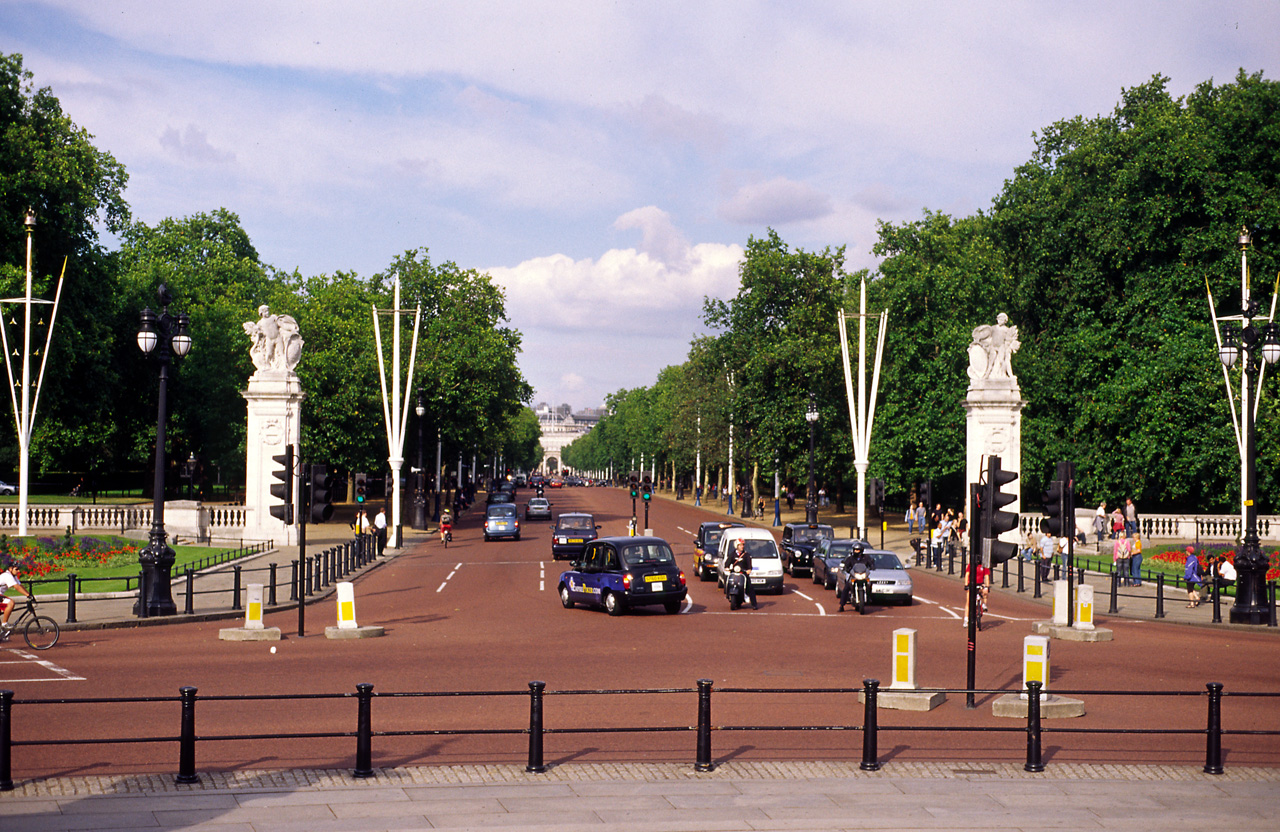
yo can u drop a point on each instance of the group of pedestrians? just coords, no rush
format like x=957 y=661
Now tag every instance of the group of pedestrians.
x=378 y=528
x=1221 y=571
x=948 y=530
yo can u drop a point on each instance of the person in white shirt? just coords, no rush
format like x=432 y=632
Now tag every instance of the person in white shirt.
x=380 y=530
x=9 y=580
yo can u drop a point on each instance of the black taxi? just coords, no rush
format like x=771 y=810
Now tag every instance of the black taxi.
x=619 y=573
x=705 y=544
x=798 y=542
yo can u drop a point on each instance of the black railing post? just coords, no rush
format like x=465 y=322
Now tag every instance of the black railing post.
x=1115 y=591
x=1217 y=600
x=1159 y=595
x=1213 y=731
x=6 y=741
x=187 y=743
x=703 y=762
x=1021 y=564
x=535 y=765
x=271 y=593
x=364 y=731
x=326 y=574
x=1034 y=762
x=1271 y=604
x=235 y=588
x=142 y=593
x=190 y=606
x=870 y=726
x=71 y=597
x=309 y=588
x=1036 y=593
x=293 y=581
x=1004 y=571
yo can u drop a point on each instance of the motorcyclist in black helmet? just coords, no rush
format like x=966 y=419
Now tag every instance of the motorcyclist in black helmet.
x=857 y=553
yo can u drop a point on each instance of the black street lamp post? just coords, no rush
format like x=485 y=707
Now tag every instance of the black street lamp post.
x=1246 y=346
x=164 y=338
x=420 y=496
x=810 y=500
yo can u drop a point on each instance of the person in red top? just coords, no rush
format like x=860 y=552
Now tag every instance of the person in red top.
x=984 y=587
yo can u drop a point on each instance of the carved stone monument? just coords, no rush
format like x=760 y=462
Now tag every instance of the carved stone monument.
x=274 y=400
x=994 y=407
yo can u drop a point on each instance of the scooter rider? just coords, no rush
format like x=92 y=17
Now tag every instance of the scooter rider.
x=740 y=561
x=857 y=554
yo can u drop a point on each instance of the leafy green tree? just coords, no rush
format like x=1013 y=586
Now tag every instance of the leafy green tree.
x=49 y=164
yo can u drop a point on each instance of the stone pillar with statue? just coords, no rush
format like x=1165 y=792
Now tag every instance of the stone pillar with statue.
x=274 y=401
x=993 y=406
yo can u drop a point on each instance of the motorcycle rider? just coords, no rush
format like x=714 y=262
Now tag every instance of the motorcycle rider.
x=740 y=561
x=857 y=554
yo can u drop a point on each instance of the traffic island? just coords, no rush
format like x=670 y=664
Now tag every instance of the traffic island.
x=365 y=631
x=1051 y=706
x=1064 y=633
x=249 y=634
x=902 y=693
x=906 y=700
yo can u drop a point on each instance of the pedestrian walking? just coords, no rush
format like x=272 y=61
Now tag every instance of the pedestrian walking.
x=911 y=518
x=1191 y=574
x=1135 y=561
x=1120 y=559
x=380 y=530
x=1130 y=517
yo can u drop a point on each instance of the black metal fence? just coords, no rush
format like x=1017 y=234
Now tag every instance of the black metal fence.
x=1015 y=573
x=871 y=730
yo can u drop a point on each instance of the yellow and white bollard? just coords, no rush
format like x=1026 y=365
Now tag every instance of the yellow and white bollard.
x=1060 y=603
x=253 y=608
x=904 y=659
x=1084 y=607
x=1035 y=663
x=346 y=606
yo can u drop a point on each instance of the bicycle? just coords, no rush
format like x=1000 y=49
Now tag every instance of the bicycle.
x=40 y=631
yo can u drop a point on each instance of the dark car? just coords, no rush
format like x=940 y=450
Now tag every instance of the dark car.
x=619 y=573
x=538 y=508
x=827 y=557
x=798 y=542
x=571 y=534
x=705 y=545
x=501 y=520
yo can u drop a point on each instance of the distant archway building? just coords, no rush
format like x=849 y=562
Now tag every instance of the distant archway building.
x=559 y=428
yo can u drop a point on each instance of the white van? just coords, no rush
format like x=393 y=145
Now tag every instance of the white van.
x=766 y=560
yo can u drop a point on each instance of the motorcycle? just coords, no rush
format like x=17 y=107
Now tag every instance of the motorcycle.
x=857 y=588
x=735 y=589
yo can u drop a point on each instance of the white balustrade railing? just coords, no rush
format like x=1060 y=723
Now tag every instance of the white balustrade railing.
x=182 y=518
x=1210 y=527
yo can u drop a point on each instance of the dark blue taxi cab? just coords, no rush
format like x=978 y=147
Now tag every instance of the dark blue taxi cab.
x=619 y=573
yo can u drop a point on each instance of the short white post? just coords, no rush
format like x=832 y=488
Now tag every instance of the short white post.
x=1035 y=663
x=904 y=659
x=346 y=606
x=1084 y=607
x=1060 y=605
x=253 y=608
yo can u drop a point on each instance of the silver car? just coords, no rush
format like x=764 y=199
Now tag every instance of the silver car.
x=889 y=578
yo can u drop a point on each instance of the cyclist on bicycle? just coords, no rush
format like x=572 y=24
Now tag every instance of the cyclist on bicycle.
x=9 y=579
x=446 y=527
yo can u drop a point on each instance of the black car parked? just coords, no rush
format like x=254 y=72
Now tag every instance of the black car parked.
x=798 y=543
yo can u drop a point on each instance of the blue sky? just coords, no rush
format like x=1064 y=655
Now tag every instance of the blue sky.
x=605 y=162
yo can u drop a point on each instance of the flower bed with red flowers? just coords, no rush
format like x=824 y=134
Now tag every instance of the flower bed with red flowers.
x=48 y=557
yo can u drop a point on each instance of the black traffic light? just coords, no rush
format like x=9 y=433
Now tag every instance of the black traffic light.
x=1054 y=509
x=362 y=488
x=283 y=491
x=995 y=521
x=634 y=482
x=876 y=492
x=926 y=496
x=646 y=489
x=319 y=494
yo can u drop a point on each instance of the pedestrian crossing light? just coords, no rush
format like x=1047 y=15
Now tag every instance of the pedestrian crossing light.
x=283 y=490
x=646 y=489
x=320 y=494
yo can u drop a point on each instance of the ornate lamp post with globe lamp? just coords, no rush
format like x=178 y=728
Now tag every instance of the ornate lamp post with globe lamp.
x=810 y=500
x=1246 y=345
x=162 y=337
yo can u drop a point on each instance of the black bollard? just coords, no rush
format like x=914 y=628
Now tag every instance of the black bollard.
x=71 y=597
x=704 y=726
x=1034 y=760
x=364 y=731
x=870 y=726
x=187 y=741
x=1213 y=731
x=535 y=765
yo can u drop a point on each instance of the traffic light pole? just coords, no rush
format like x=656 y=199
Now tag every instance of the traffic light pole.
x=976 y=525
x=303 y=510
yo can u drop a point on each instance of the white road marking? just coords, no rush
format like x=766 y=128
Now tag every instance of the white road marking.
x=449 y=577
x=542 y=576
x=28 y=658
x=446 y=583
x=821 y=609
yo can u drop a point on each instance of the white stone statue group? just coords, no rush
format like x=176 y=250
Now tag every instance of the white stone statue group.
x=275 y=343
x=992 y=349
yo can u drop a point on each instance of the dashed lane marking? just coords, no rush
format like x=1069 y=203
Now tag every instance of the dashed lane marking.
x=821 y=609
x=448 y=578
x=24 y=664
